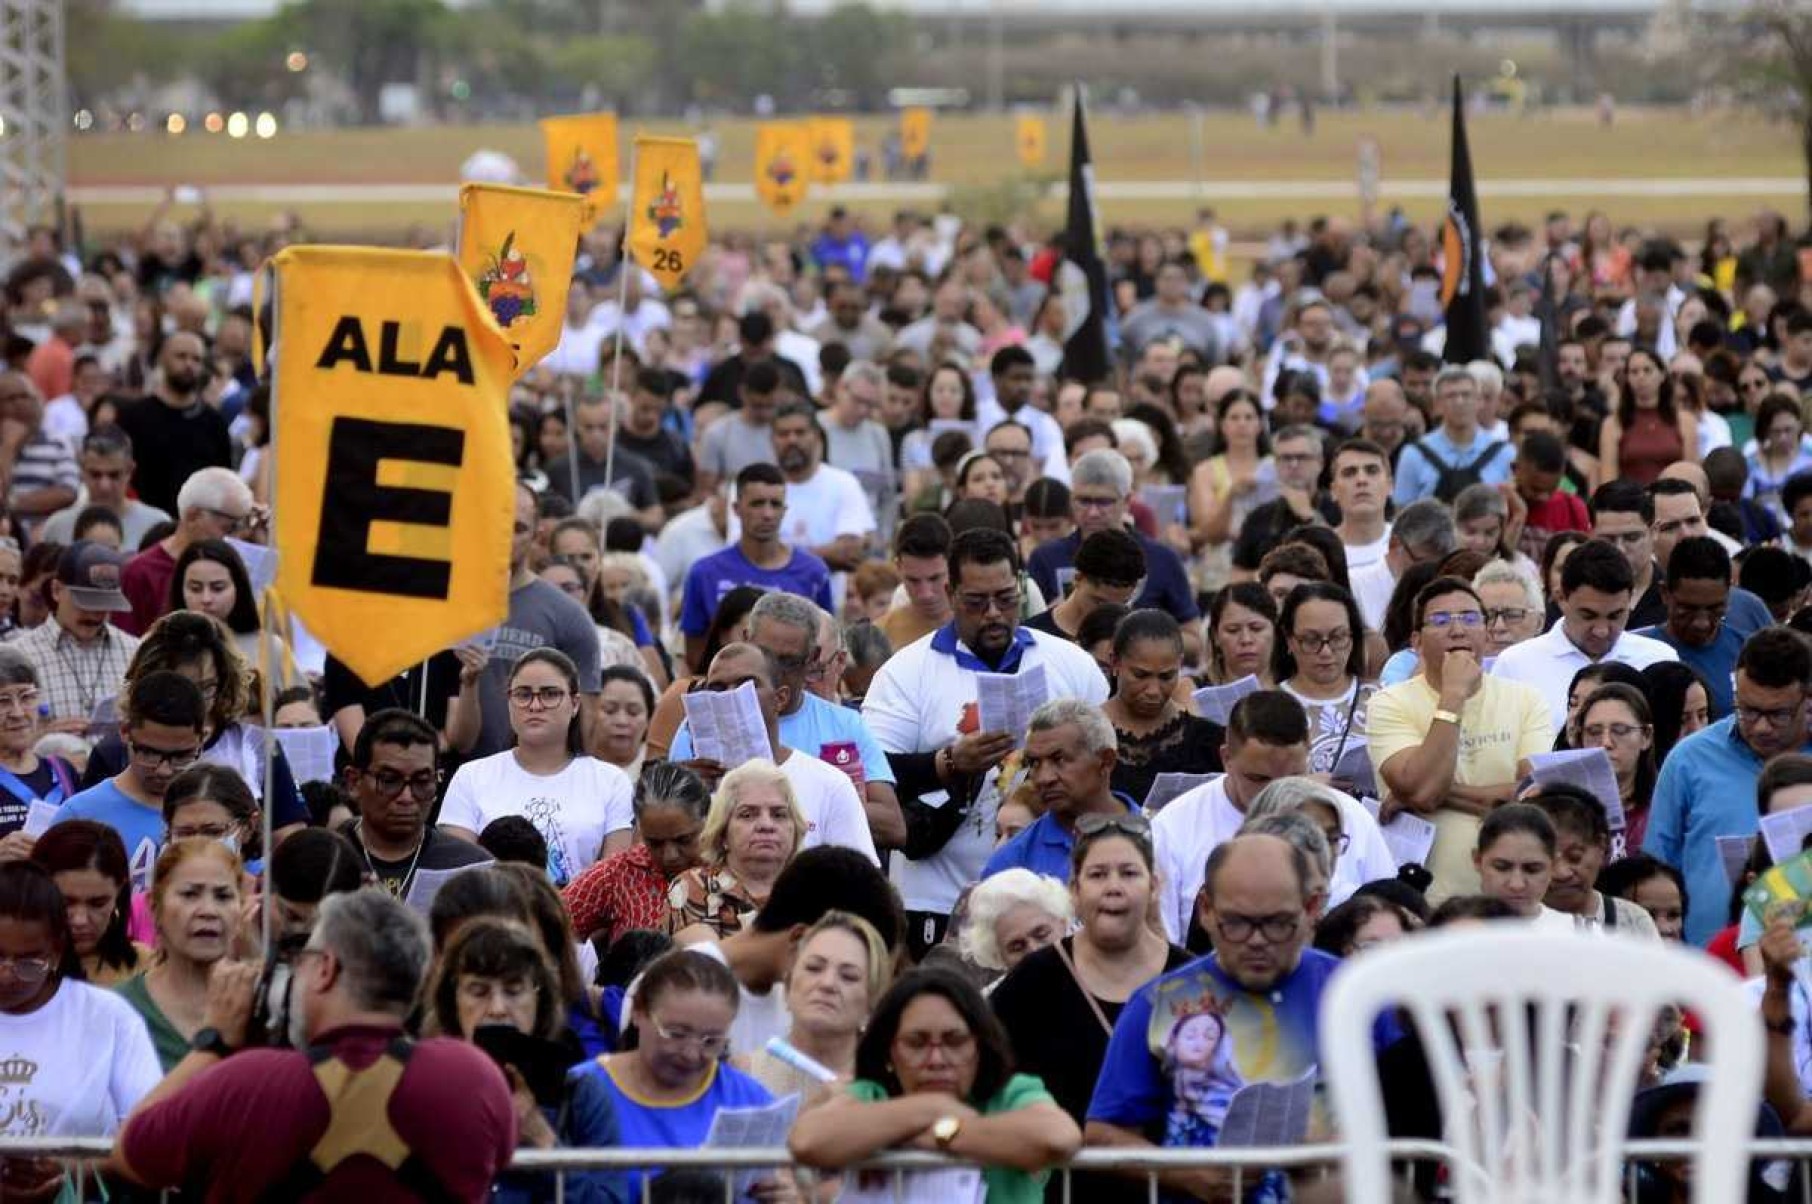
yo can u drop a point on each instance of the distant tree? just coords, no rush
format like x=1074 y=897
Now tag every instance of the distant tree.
x=369 y=43
x=856 y=48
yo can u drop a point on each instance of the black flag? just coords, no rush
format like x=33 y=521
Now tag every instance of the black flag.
x=1547 y=311
x=1462 y=254
x=1082 y=277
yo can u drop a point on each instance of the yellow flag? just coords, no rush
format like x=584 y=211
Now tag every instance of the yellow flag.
x=517 y=246
x=782 y=151
x=1029 y=138
x=582 y=158
x=915 y=132
x=393 y=450
x=667 y=211
x=833 y=149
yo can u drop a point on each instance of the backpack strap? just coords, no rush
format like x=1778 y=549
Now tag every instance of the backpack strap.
x=1485 y=457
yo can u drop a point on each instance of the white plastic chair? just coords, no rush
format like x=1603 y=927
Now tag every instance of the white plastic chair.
x=1562 y=1022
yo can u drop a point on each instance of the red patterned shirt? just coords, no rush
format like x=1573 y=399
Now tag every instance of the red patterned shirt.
x=625 y=890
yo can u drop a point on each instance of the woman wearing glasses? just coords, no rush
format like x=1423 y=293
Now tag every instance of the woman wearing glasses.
x=1060 y=1003
x=1319 y=660
x=495 y=988
x=211 y=802
x=1616 y=718
x=25 y=776
x=667 y=1090
x=935 y=1072
x=90 y=1059
x=579 y=804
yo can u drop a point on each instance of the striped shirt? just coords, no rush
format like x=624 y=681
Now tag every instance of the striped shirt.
x=44 y=463
x=73 y=677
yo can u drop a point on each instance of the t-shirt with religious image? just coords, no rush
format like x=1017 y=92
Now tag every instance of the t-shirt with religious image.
x=1336 y=726
x=47 y=1091
x=1186 y=1044
x=574 y=809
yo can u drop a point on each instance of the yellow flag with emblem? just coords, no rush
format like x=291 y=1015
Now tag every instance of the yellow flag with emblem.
x=516 y=246
x=1029 y=139
x=392 y=441
x=915 y=132
x=667 y=209
x=833 y=149
x=582 y=158
x=782 y=149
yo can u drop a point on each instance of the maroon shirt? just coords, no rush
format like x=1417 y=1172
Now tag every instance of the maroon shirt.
x=146 y=583
x=239 y=1128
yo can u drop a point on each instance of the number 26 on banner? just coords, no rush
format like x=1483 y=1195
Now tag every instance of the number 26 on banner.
x=667 y=212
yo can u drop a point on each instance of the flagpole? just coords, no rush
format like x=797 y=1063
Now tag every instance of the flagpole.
x=624 y=263
x=267 y=701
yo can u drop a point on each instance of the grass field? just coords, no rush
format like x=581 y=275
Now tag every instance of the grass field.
x=974 y=156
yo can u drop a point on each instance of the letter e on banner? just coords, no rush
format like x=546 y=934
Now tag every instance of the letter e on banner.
x=393 y=450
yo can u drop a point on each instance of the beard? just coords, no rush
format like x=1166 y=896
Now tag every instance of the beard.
x=182 y=381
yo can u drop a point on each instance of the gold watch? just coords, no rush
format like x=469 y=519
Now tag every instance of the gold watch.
x=945 y=1129
x=1447 y=717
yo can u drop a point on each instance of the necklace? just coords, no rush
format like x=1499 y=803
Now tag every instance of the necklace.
x=401 y=888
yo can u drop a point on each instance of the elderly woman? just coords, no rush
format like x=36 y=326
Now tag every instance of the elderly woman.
x=629 y=890
x=1011 y=914
x=1356 y=849
x=752 y=831
x=1511 y=597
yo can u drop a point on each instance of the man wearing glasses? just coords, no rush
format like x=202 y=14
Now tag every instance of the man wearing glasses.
x=394 y=778
x=1455 y=454
x=1707 y=785
x=215 y=503
x=922 y=707
x=1447 y=743
x=162 y=720
x=1596 y=587
x=1696 y=598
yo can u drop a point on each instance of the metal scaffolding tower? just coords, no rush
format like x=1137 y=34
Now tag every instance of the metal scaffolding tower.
x=34 y=117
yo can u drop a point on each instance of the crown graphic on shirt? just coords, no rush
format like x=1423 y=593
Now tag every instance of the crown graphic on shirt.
x=18 y=1069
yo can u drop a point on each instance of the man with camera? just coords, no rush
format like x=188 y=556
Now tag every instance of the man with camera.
x=356 y=1111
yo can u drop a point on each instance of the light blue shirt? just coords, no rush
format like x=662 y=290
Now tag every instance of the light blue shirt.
x=817 y=728
x=1043 y=847
x=1706 y=790
x=1417 y=478
x=141 y=828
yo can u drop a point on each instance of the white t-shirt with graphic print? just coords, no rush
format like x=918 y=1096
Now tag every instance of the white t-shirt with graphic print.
x=574 y=810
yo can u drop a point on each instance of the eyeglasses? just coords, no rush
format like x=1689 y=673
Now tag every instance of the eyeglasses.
x=1616 y=731
x=1506 y=614
x=917 y=1047
x=1136 y=826
x=1296 y=457
x=233 y=522
x=389 y=783
x=158 y=758
x=1239 y=929
x=26 y=969
x=1752 y=384
x=1334 y=641
x=1775 y=718
x=547 y=696
x=1442 y=620
x=1094 y=503
x=711 y=1044
x=202 y=831
x=482 y=990
x=20 y=700
x=1006 y=602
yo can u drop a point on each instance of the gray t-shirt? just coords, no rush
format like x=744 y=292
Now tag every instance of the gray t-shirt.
x=136 y=517
x=540 y=615
x=630 y=476
x=731 y=445
x=1149 y=320
x=866 y=452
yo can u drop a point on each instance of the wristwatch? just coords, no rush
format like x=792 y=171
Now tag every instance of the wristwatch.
x=209 y=1040
x=1447 y=717
x=1780 y=1028
x=945 y=1129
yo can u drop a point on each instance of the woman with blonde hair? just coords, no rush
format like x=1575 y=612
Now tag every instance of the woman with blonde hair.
x=752 y=831
x=840 y=970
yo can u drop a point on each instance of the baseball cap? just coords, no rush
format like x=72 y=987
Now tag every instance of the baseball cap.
x=91 y=571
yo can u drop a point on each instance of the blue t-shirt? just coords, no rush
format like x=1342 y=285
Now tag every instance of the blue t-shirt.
x=1166 y=582
x=822 y=729
x=711 y=578
x=139 y=826
x=1716 y=663
x=647 y=1125
x=1183 y=1045
x=1042 y=846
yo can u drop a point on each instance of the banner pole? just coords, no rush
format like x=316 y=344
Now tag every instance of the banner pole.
x=624 y=263
x=267 y=699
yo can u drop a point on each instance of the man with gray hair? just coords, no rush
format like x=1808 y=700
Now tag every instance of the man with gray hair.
x=356 y=1110
x=1422 y=531
x=1069 y=758
x=1100 y=487
x=790 y=629
x=1458 y=452
x=214 y=503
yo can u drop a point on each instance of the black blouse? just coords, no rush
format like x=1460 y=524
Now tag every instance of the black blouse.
x=1187 y=744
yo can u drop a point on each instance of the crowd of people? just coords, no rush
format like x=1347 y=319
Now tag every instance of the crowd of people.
x=1102 y=718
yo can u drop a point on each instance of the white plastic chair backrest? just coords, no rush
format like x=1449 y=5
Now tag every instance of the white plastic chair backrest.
x=1556 y=1026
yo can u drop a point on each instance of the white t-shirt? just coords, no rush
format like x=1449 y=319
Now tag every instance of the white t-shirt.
x=57 y=1093
x=915 y=704
x=832 y=808
x=1358 y=555
x=1549 y=661
x=758 y=1017
x=1193 y=824
x=1372 y=587
x=829 y=505
x=574 y=810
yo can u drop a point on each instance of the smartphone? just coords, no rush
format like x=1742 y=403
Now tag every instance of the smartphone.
x=542 y=1064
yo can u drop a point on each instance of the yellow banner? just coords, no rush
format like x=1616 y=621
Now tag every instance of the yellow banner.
x=516 y=245
x=1029 y=138
x=782 y=155
x=393 y=449
x=915 y=132
x=582 y=158
x=667 y=211
x=833 y=149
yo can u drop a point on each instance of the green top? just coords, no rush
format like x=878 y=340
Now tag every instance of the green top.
x=1005 y=1185
x=170 y=1045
